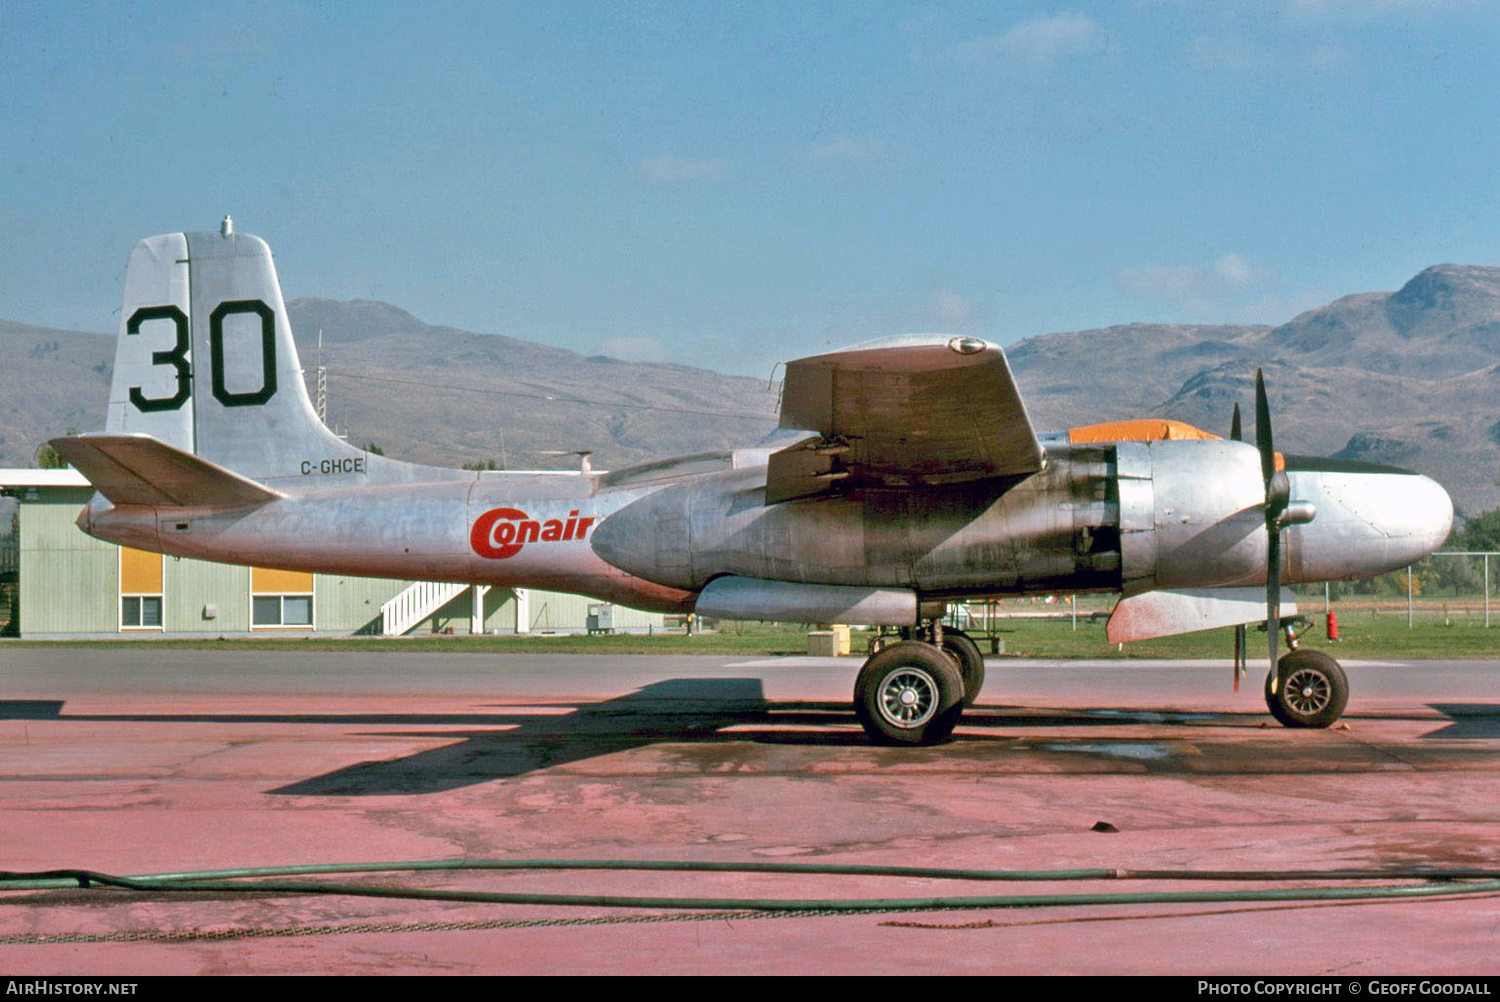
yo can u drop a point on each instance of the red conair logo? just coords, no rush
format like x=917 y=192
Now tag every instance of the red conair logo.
x=501 y=532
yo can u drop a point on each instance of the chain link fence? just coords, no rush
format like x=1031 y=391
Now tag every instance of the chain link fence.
x=1453 y=588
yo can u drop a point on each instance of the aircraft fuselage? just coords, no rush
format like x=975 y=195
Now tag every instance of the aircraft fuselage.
x=1127 y=517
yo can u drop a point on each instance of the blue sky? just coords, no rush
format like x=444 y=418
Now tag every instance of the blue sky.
x=729 y=185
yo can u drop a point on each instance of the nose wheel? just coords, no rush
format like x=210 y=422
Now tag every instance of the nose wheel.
x=1307 y=689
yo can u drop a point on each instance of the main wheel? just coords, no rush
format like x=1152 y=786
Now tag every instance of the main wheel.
x=1312 y=692
x=970 y=662
x=909 y=693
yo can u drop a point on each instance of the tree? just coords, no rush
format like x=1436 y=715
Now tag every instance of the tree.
x=47 y=458
x=1482 y=532
x=373 y=449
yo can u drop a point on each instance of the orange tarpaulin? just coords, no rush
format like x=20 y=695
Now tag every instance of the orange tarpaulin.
x=1138 y=430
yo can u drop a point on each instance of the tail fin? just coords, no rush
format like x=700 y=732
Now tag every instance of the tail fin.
x=205 y=362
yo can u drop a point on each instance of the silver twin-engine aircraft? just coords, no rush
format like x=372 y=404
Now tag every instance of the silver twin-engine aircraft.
x=906 y=476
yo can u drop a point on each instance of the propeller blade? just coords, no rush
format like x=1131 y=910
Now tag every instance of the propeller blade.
x=1263 y=430
x=1273 y=597
x=1278 y=495
x=1236 y=433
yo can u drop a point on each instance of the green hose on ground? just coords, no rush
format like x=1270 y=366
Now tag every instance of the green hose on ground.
x=1435 y=882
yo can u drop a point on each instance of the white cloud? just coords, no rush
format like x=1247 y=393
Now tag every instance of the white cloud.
x=634 y=348
x=675 y=170
x=1237 y=273
x=933 y=310
x=942 y=311
x=1198 y=289
x=847 y=148
x=1361 y=8
x=953 y=309
x=1238 y=54
x=1328 y=57
x=1228 y=52
x=1040 y=41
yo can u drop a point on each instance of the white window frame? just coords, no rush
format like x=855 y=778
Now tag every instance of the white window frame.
x=282 y=596
x=161 y=609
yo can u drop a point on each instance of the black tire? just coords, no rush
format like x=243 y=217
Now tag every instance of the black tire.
x=1313 y=690
x=970 y=662
x=909 y=693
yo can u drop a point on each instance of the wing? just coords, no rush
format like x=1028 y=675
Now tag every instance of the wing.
x=139 y=469
x=902 y=412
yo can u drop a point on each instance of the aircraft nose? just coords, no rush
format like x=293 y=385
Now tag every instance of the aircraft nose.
x=1432 y=513
x=1368 y=522
x=1413 y=512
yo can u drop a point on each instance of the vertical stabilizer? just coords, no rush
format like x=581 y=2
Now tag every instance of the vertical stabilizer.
x=206 y=362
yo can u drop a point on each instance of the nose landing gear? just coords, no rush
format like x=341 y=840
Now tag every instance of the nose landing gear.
x=1307 y=689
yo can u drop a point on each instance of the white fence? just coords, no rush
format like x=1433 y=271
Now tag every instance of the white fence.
x=1455 y=586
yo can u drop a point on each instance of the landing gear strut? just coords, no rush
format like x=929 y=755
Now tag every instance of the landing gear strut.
x=913 y=692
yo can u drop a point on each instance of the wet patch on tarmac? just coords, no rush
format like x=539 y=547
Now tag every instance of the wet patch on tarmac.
x=1133 y=751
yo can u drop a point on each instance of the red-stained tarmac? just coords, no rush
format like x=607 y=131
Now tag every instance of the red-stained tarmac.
x=140 y=760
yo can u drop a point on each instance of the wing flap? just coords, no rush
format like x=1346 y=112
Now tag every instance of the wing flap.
x=903 y=412
x=139 y=469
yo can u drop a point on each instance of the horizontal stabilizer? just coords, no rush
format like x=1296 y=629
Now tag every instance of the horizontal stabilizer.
x=139 y=469
x=1168 y=613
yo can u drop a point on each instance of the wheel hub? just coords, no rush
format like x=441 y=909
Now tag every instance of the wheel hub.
x=1308 y=692
x=908 y=698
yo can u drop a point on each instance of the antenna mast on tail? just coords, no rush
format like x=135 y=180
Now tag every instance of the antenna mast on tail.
x=322 y=382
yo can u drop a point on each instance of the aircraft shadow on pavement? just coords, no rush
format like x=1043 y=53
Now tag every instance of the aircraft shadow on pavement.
x=691 y=710
x=688 y=710
x=1469 y=720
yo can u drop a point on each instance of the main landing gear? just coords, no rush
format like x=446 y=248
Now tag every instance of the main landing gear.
x=913 y=692
x=1307 y=687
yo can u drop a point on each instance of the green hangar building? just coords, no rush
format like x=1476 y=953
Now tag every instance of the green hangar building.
x=62 y=583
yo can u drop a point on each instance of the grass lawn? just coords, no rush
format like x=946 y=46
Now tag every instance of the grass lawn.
x=1364 y=633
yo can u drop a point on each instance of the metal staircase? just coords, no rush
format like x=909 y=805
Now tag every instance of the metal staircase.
x=419 y=600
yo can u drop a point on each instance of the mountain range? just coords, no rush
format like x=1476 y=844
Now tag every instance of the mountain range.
x=1409 y=378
